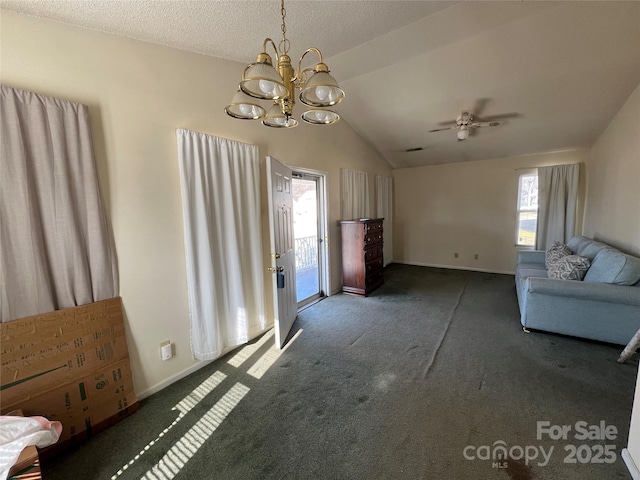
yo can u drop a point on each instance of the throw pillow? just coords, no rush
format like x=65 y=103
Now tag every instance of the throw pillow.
x=570 y=267
x=555 y=253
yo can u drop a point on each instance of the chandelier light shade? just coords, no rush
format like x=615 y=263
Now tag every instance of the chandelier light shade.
x=277 y=119
x=321 y=90
x=319 y=116
x=261 y=80
x=244 y=107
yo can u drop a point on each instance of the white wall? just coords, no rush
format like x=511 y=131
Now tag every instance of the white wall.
x=138 y=95
x=613 y=205
x=469 y=208
x=613 y=181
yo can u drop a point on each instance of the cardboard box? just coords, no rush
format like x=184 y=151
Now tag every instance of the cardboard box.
x=84 y=402
x=30 y=472
x=71 y=365
x=45 y=350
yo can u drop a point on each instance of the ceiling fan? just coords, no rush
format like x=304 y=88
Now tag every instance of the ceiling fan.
x=465 y=122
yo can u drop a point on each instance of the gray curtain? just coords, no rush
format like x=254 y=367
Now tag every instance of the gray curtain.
x=56 y=244
x=557 y=202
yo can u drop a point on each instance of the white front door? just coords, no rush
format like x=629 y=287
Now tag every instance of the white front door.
x=283 y=262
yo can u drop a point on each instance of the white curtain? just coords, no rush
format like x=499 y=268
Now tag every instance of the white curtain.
x=384 y=209
x=220 y=182
x=355 y=194
x=56 y=243
x=557 y=202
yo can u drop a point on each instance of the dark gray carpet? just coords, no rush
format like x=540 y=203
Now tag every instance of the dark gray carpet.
x=392 y=386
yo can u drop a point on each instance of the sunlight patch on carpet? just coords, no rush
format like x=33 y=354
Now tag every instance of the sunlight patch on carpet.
x=248 y=350
x=265 y=362
x=185 y=448
x=184 y=406
x=172 y=462
x=196 y=396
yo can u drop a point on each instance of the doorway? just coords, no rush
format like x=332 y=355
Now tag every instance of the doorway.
x=309 y=232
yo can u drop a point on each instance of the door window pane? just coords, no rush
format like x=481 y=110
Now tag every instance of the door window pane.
x=305 y=230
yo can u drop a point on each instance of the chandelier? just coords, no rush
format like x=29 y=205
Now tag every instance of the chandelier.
x=260 y=80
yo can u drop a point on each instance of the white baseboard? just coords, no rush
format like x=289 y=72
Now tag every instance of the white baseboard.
x=173 y=378
x=455 y=267
x=631 y=465
x=197 y=366
x=435 y=265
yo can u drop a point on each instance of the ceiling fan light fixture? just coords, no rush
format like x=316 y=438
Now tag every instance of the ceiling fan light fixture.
x=467 y=121
x=463 y=133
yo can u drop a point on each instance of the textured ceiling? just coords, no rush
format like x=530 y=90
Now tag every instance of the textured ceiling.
x=234 y=29
x=557 y=71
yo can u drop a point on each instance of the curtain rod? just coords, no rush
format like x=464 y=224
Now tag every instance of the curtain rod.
x=543 y=166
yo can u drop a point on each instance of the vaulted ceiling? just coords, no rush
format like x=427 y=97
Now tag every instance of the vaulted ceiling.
x=554 y=73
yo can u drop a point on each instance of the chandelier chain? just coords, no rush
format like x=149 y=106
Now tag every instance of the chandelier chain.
x=284 y=44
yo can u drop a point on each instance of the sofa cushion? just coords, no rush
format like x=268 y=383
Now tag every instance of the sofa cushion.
x=576 y=241
x=526 y=270
x=555 y=253
x=612 y=266
x=591 y=249
x=532 y=266
x=570 y=267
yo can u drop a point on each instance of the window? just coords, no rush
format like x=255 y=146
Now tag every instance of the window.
x=527 y=210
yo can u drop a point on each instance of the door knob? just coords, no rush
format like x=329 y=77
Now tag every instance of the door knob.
x=276 y=255
x=275 y=269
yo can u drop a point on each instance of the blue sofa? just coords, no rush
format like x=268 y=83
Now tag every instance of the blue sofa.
x=605 y=306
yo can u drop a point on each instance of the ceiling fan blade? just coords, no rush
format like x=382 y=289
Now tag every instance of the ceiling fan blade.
x=503 y=116
x=485 y=124
x=442 y=129
x=479 y=107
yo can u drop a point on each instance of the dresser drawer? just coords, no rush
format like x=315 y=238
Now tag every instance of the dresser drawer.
x=373 y=228
x=373 y=252
x=374 y=265
x=372 y=238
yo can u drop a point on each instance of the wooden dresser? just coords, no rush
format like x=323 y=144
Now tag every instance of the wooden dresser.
x=362 y=255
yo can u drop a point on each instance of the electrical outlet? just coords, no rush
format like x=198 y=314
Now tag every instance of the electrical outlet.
x=166 y=350
x=476 y=256
x=455 y=254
